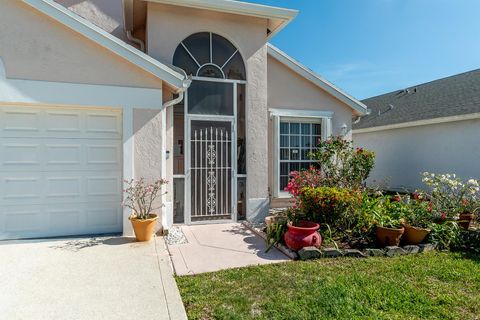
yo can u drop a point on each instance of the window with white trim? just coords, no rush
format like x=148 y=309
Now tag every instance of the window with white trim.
x=296 y=134
x=297 y=140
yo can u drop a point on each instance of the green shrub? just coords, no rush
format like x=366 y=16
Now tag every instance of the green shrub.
x=329 y=205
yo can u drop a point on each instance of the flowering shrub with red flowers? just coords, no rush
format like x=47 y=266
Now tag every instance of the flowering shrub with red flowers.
x=311 y=177
x=342 y=165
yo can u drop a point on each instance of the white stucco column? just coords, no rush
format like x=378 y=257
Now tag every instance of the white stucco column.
x=257 y=137
x=128 y=163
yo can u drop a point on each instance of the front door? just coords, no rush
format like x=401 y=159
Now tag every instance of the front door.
x=210 y=170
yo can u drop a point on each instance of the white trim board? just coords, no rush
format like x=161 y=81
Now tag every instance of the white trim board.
x=108 y=41
x=73 y=94
x=278 y=18
x=295 y=113
x=308 y=74
x=417 y=123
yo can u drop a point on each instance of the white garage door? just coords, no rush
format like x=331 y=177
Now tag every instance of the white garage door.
x=60 y=171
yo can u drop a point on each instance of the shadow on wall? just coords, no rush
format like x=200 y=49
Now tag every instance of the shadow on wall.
x=107 y=15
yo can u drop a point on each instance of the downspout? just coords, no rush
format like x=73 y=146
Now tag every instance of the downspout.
x=165 y=153
x=137 y=41
x=128 y=24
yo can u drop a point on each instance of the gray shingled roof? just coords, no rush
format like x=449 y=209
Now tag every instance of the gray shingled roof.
x=455 y=95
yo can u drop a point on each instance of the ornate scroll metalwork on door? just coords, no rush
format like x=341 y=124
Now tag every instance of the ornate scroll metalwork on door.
x=211 y=170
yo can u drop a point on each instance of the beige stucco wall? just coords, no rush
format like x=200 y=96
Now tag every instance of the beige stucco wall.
x=36 y=47
x=403 y=154
x=288 y=90
x=168 y=25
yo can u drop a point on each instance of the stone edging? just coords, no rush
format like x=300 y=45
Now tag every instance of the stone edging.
x=308 y=253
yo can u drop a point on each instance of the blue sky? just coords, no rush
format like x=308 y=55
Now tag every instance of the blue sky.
x=369 y=47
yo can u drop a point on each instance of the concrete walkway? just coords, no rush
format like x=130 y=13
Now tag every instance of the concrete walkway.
x=87 y=278
x=220 y=246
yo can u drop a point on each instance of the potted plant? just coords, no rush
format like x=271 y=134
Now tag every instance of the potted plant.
x=140 y=197
x=417 y=221
x=468 y=209
x=302 y=234
x=389 y=223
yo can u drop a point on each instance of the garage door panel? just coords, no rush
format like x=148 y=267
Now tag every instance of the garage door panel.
x=60 y=171
x=46 y=154
x=51 y=122
x=60 y=187
x=18 y=222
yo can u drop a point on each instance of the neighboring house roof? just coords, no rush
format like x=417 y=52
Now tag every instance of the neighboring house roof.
x=308 y=74
x=443 y=100
x=108 y=41
x=277 y=18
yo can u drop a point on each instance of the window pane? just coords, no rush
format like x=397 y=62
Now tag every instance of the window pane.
x=241 y=198
x=294 y=141
x=284 y=141
x=182 y=60
x=284 y=154
x=317 y=129
x=284 y=169
x=210 y=71
x=305 y=154
x=235 y=69
x=222 y=49
x=306 y=141
x=283 y=182
x=210 y=98
x=294 y=166
x=295 y=154
x=316 y=141
x=199 y=46
x=294 y=128
x=178 y=200
x=284 y=128
x=306 y=128
x=241 y=142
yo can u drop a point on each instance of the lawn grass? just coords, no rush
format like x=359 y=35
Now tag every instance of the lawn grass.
x=424 y=286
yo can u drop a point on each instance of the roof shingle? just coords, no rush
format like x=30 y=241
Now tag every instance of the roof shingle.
x=451 y=96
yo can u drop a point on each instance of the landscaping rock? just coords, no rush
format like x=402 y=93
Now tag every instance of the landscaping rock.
x=353 y=253
x=426 y=247
x=392 y=251
x=308 y=253
x=331 y=253
x=374 y=252
x=412 y=249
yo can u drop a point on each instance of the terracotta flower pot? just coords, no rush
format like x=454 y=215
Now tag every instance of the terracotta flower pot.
x=144 y=228
x=303 y=234
x=388 y=236
x=465 y=220
x=414 y=235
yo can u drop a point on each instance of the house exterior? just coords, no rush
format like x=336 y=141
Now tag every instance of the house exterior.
x=432 y=127
x=95 y=92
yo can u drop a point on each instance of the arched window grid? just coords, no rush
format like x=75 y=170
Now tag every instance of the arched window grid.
x=211 y=62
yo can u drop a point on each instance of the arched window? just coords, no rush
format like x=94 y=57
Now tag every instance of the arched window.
x=206 y=54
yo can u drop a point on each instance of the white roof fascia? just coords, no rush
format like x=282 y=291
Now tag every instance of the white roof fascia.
x=308 y=74
x=108 y=41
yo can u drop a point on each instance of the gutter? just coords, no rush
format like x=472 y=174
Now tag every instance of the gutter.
x=166 y=153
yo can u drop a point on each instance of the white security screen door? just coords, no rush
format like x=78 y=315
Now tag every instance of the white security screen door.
x=210 y=170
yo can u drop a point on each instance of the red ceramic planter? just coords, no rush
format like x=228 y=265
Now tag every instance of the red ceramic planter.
x=303 y=234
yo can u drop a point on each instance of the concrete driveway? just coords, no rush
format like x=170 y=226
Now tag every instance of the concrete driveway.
x=87 y=278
